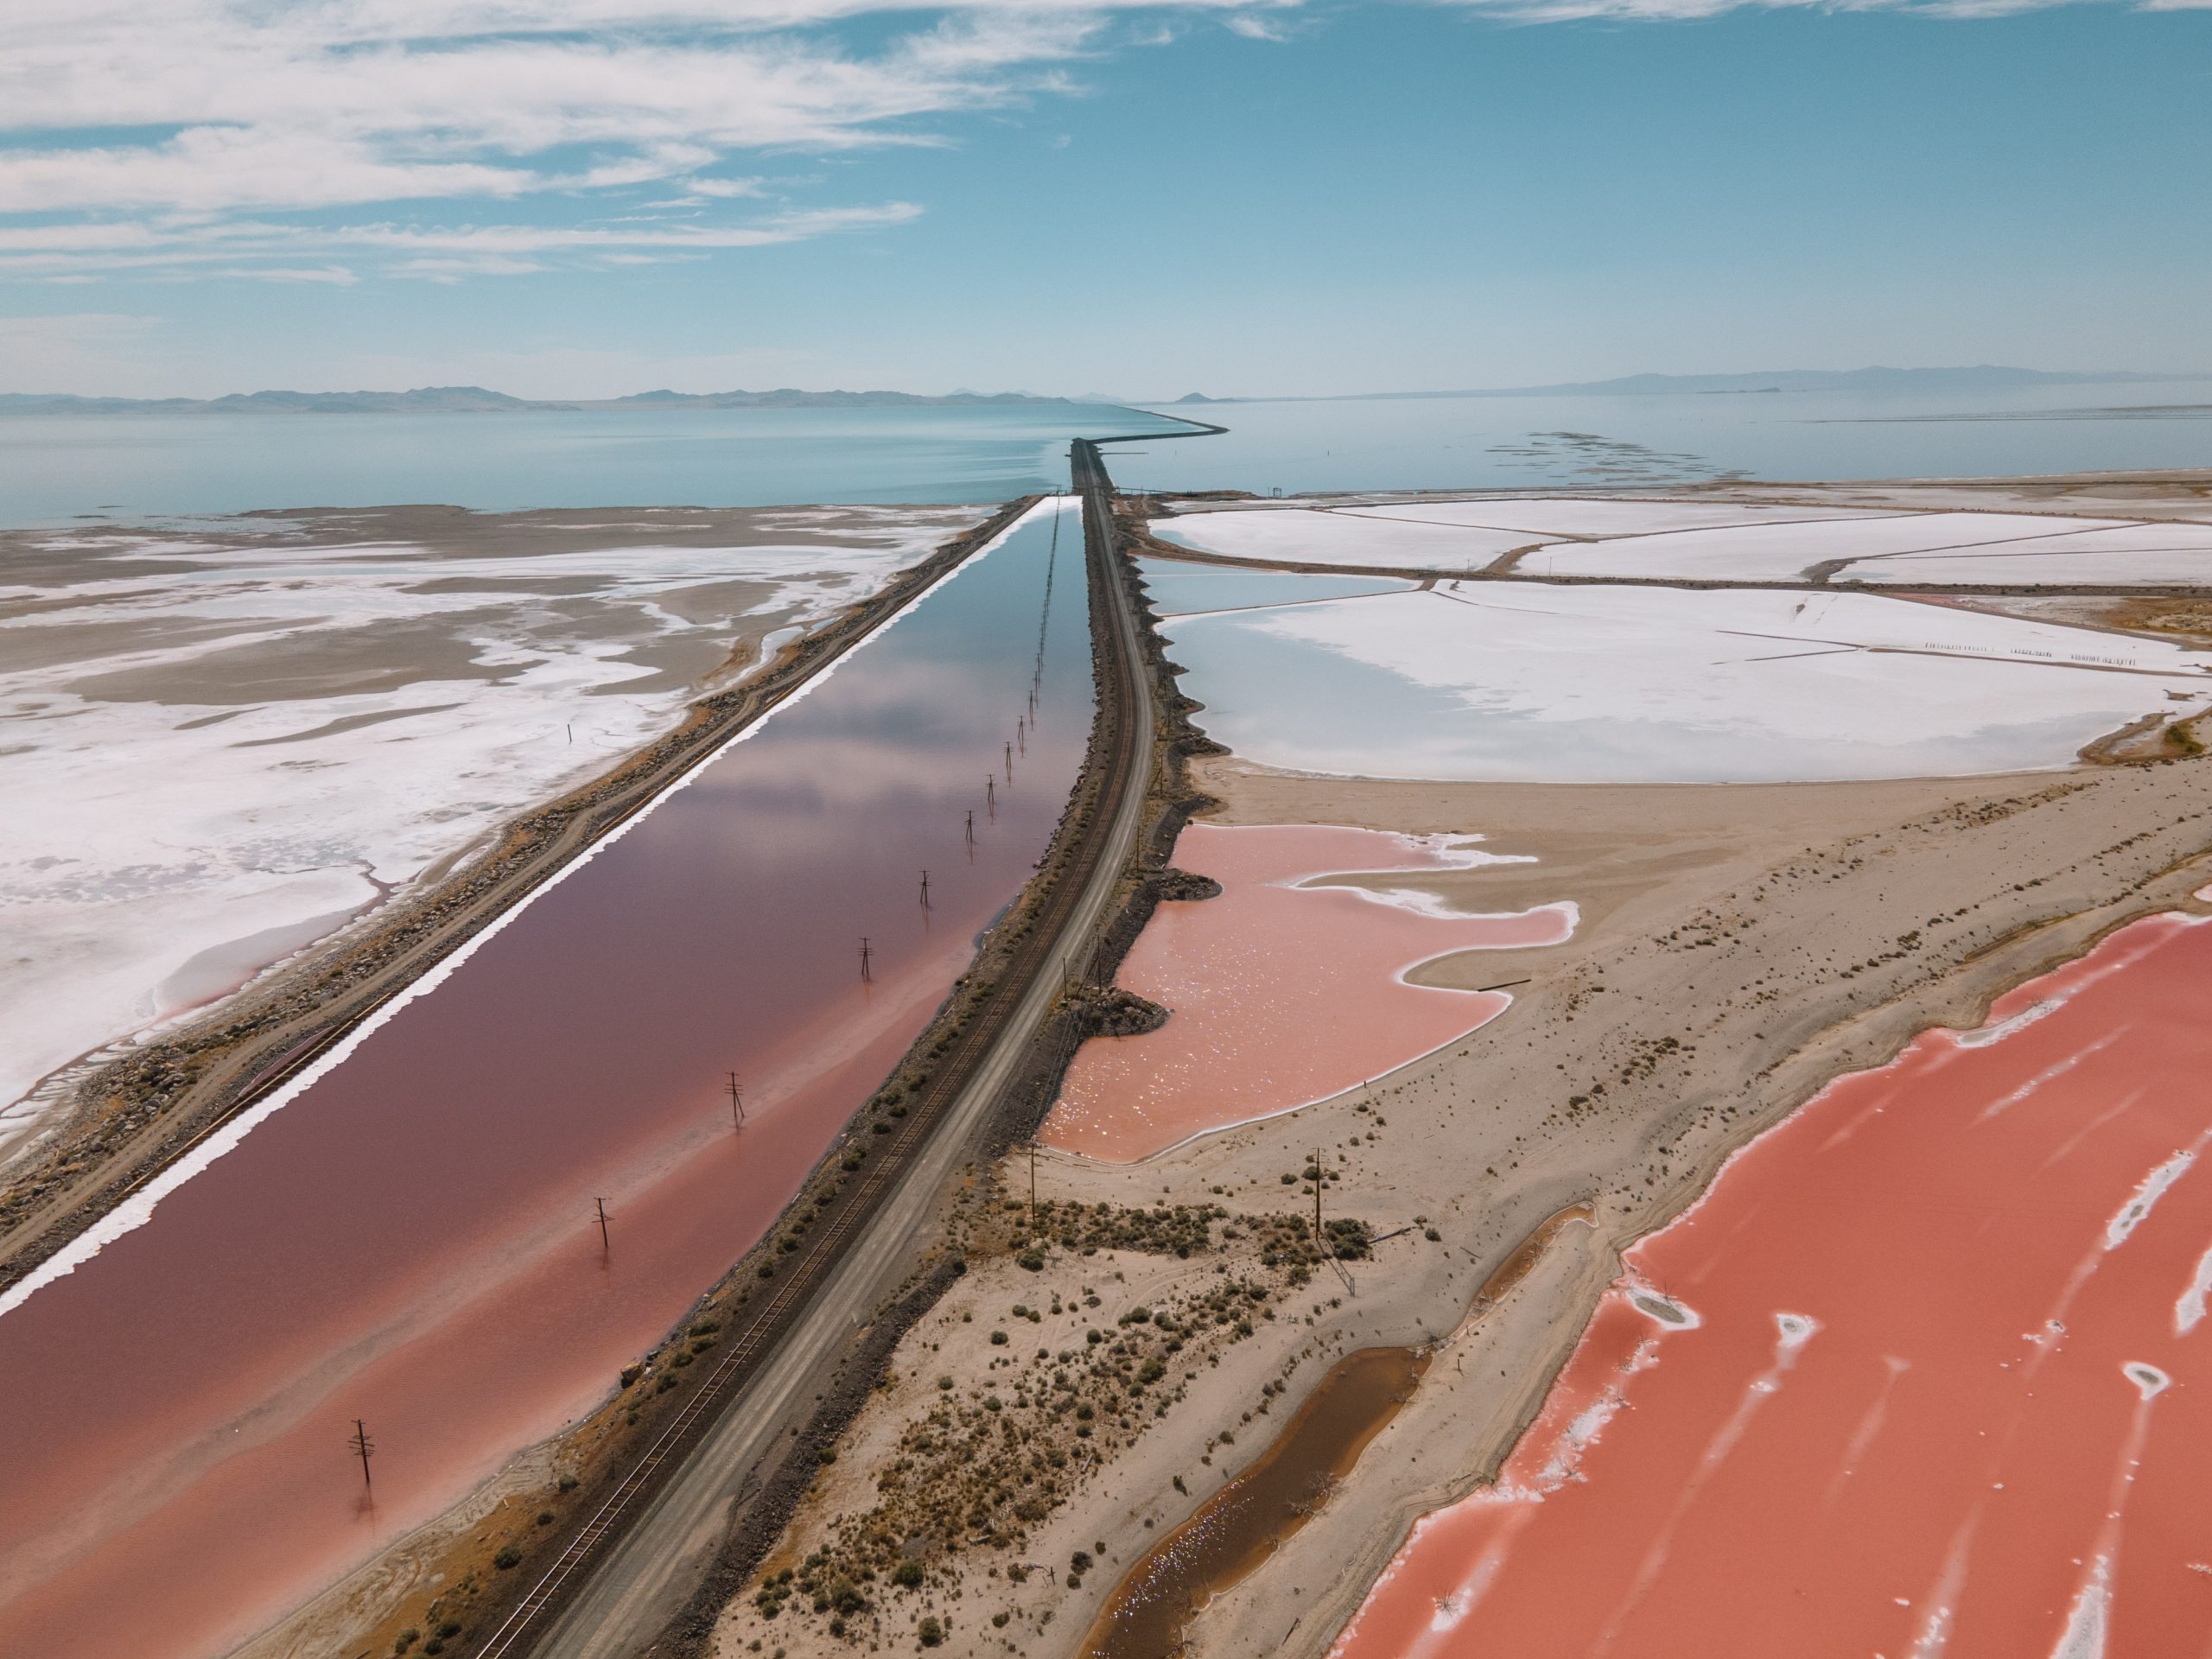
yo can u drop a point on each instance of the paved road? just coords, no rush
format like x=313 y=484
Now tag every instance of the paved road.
x=644 y=1579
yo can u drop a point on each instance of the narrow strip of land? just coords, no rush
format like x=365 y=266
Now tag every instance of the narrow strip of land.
x=636 y=1562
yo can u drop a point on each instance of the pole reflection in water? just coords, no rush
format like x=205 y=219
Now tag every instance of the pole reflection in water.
x=413 y=1242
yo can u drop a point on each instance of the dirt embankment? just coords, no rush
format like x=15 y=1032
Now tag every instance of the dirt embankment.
x=136 y=1114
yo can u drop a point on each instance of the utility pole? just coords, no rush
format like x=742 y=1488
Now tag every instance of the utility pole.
x=926 y=889
x=1009 y=763
x=991 y=794
x=1033 y=1188
x=971 y=826
x=866 y=976
x=1319 y=1242
x=606 y=1244
x=736 y=1103
x=363 y=1447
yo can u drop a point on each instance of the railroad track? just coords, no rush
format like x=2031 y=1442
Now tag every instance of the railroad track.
x=963 y=1084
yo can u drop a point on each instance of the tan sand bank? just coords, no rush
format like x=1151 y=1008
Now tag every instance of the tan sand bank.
x=1740 y=945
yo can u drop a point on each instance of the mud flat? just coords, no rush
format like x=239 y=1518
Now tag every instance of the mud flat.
x=1246 y=1521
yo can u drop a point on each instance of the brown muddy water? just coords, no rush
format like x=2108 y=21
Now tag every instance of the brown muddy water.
x=410 y=1239
x=1240 y=1526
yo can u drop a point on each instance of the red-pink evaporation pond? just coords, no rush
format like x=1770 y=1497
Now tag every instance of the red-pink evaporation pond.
x=1926 y=1372
x=411 y=1241
x=1281 y=993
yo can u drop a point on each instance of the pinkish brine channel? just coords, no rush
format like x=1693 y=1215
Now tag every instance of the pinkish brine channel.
x=1283 y=992
x=1927 y=1371
x=411 y=1240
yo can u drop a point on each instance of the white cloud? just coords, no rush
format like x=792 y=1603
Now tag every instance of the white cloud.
x=441 y=254
x=722 y=187
x=1555 y=11
x=172 y=124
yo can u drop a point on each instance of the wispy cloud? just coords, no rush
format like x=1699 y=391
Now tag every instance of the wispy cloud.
x=1658 y=11
x=197 y=131
x=443 y=254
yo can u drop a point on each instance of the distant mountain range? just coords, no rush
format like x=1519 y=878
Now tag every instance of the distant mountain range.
x=476 y=400
x=1983 y=378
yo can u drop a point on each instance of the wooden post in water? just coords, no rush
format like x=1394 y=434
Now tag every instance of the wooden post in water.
x=1009 y=763
x=866 y=976
x=990 y=792
x=926 y=889
x=736 y=1104
x=971 y=826
x=606 y=1244
x=362 y=1447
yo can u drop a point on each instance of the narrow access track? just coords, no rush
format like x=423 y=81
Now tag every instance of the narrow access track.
x=636 y=1560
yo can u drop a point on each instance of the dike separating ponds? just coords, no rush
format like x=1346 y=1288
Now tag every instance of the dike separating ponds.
x=670 y=1534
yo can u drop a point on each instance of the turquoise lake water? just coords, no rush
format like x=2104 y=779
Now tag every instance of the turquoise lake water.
x=52 y=470
x=1644 y=441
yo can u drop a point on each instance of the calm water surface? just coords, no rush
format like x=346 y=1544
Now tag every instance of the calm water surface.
x=411 y=1241
x=1647 y=441
x=53 y=469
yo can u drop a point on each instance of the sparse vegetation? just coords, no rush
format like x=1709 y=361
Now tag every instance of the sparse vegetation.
x=985 y=1459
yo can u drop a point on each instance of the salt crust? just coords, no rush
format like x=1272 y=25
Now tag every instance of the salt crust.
x=1553 y=683
x=1694 y=541
x=174 y=848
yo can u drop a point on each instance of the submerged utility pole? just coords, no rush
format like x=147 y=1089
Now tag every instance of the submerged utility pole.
x=865 y=975
x=736 y=1103
x=971 y=826
x=991 y=792
x=926 y=889
x=363 y=1447
x=606 y=1244
x=1009 y=763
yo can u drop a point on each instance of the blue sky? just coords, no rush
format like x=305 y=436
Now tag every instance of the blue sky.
x=587 y=197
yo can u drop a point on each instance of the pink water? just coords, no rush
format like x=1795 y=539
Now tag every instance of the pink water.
x=1281 y=994
x=411 y=1241
x=1927 y=1372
